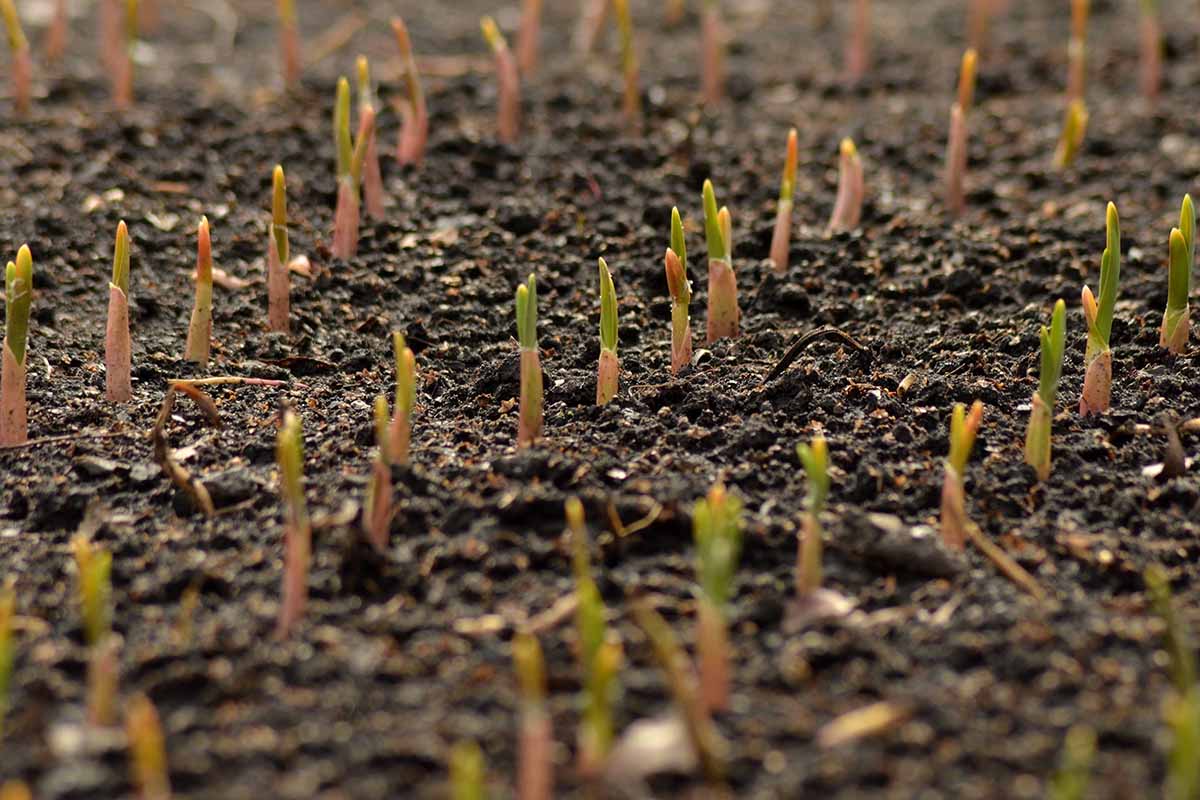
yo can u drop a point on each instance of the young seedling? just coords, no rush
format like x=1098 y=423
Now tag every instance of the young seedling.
x=858 y=44
x=815 y=458
x=400 y=429
x=1041 y=412
x=508 y=84
x=847 y=209
x=94 y=568
x=57 y=33
x=723 y=312
x=117 y=347
x=716 y=525
x=8 y=604
x=1097 y=382
x=289 y=42
x=956 y=147
x=297 y=527
x=351 y=157
x=781 y=239
x=372 y=177
x=199 y=338
x=1074 y=130
x=1074 y=772
x=712 y=53
x=1183 y=706
x=529 y=36
x=681 y=680
x=377 y=512
x=147 y=749
x=610 y=367
x=1176 y=324
x=414 y=128
x=466 y=772
x=680 y=289
x=22 y=64
x=963 y=427
x=1150 y=35
x=599 y=652
x=278 y=254
x=1075 y=123
x=631 y=103
x=535 y=780
x=18 y=296
x=530 y=426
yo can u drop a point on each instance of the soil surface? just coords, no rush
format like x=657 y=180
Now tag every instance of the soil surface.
x=401 y=656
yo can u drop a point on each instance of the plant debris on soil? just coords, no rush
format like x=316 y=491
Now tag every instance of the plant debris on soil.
x=943 y=675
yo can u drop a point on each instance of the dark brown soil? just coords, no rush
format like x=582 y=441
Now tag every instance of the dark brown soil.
x=400 y=657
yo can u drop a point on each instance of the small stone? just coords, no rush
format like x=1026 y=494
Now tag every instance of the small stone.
x=96 y=467
x=231 y=487
x=143 y=474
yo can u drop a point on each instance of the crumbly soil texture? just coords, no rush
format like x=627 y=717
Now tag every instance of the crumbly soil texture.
x=399 y=656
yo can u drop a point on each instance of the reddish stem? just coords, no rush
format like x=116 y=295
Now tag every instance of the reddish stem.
x=278 y=290
x=607 y=377
x=508 y=112
x=118 y=386
x=13 y=428
x=712 y=68
x=372 y=180
x=712 y=643
x=346 y=221
x=723 y=312
x=956 y=161
x=56 y=34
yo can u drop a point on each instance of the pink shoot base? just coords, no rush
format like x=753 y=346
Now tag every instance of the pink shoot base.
x=508 y=112
x=117 y=383
x=781 y=239
x=373 y=181
x=723 y=313
x=22 y=77
x=13 y=427
x=346 y=221
x=378 y=521
x=956 y=161
x=607 y=377
x=414 y=133
x=298 y=545
x=529 y=428
x=847 y=210
x=278 y=290
x=712 y=77
x=1097 y=385
x=399 y=436
x=712 y=641
x=289 y=46
x=535 y=780
x=954 y=511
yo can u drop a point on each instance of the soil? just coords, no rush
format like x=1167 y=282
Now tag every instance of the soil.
x=398 y=657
